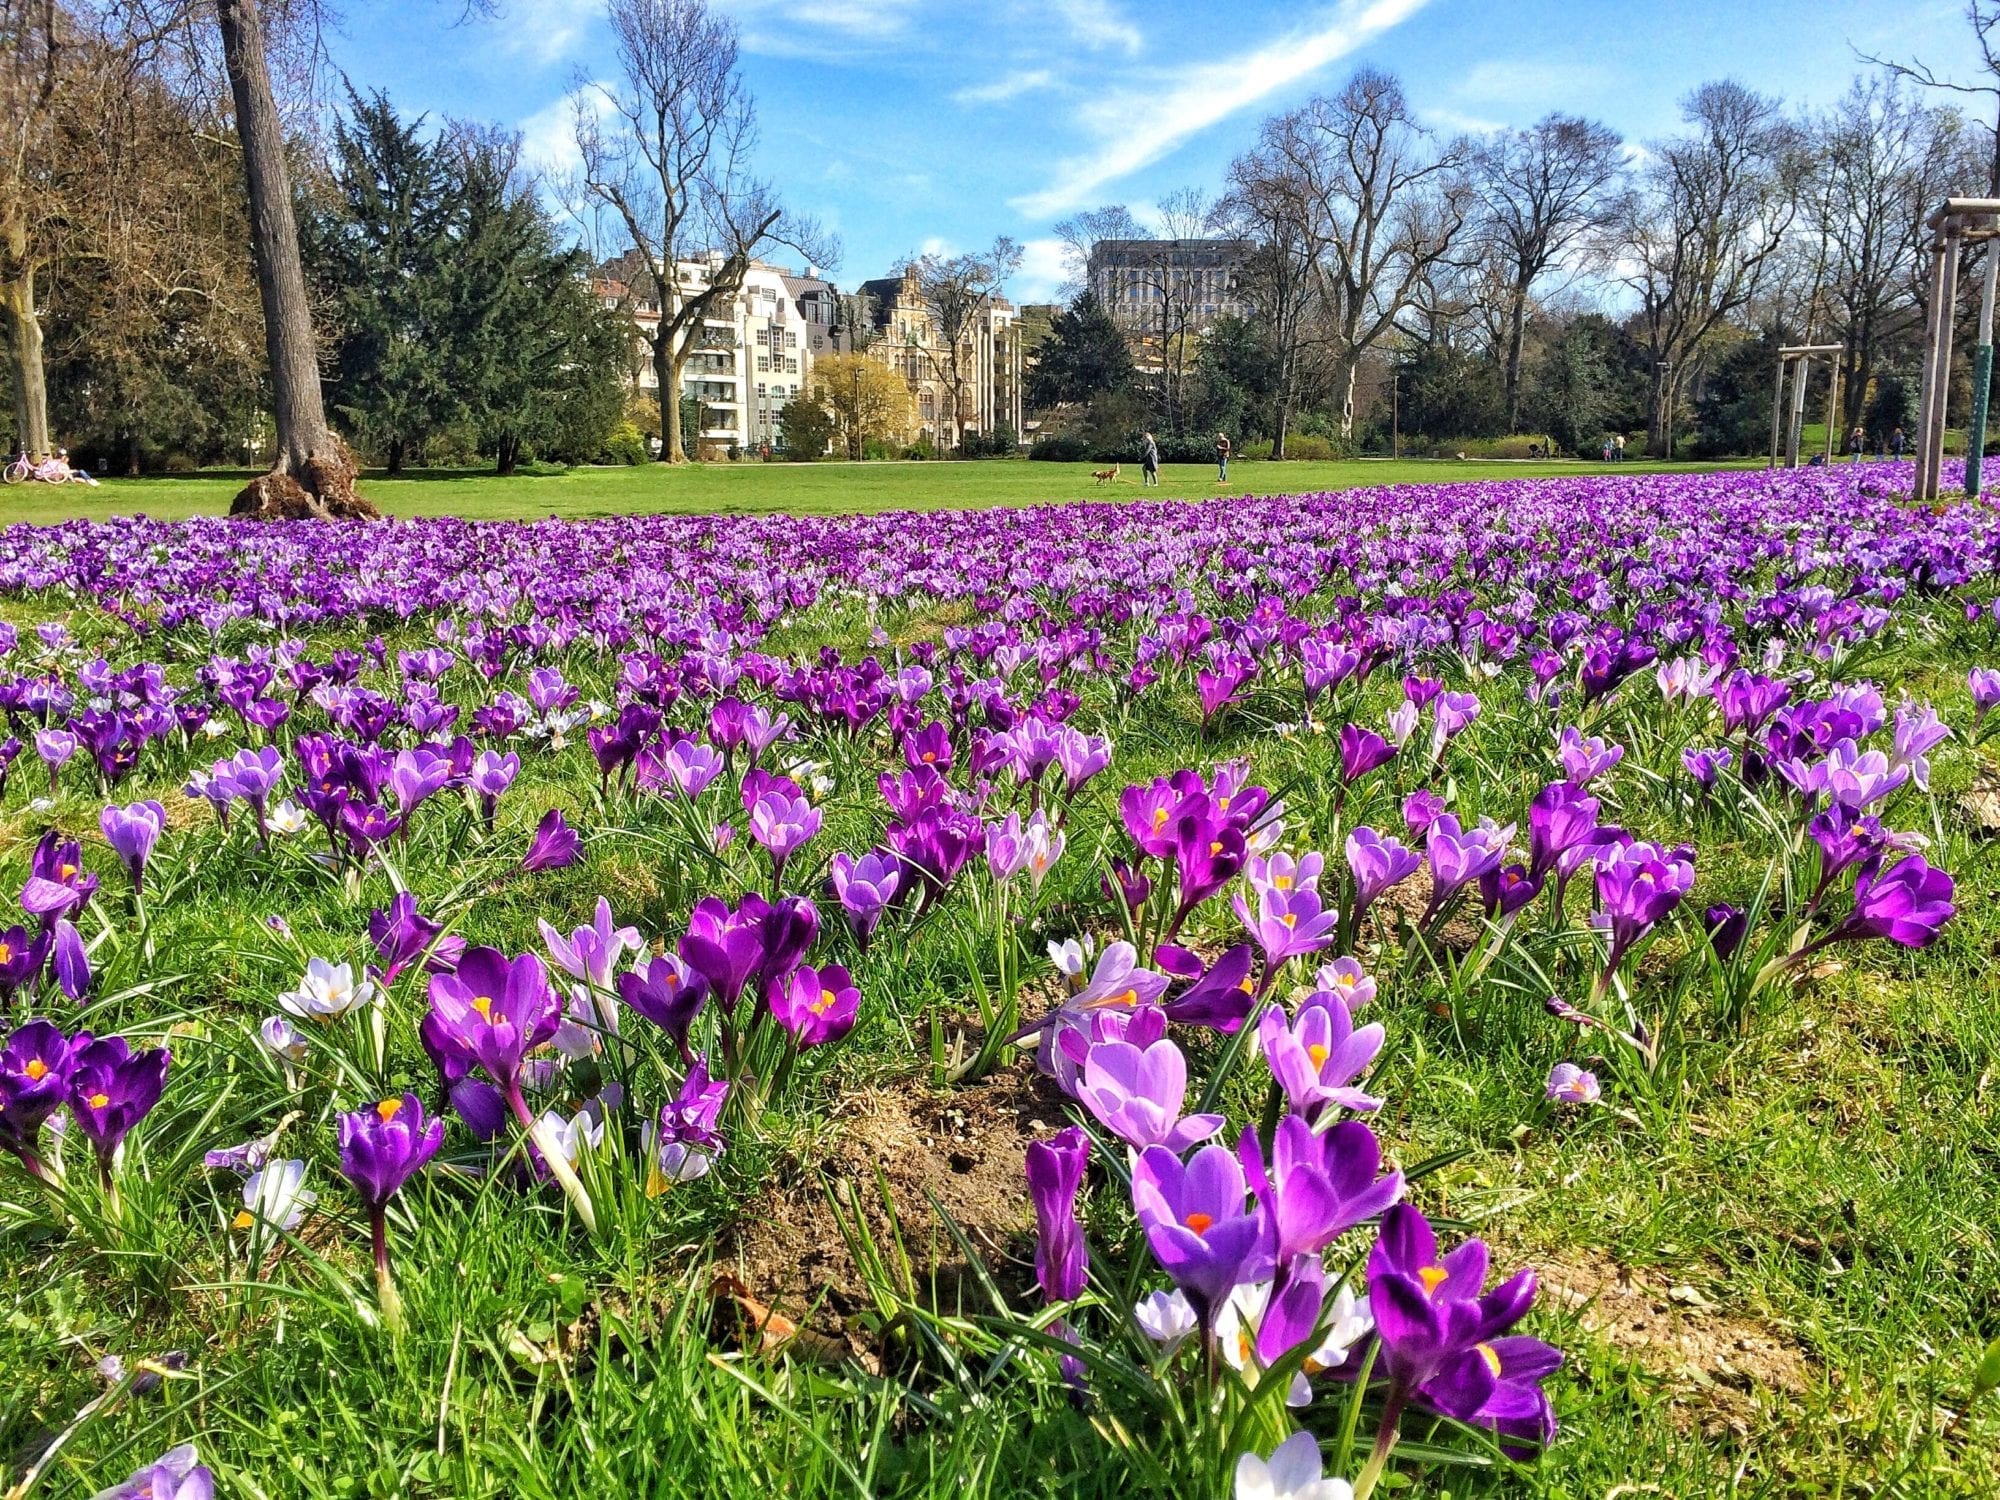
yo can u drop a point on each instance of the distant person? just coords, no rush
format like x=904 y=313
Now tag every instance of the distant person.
x=1222 y=458
x=1607 y=450
x=1857 y=443
x=1149 y=463
x=1897 y=443
x=1618 y=448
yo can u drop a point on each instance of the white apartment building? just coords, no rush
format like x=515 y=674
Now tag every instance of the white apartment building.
x=749 y=358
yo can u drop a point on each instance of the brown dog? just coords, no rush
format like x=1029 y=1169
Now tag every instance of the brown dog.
x=1105 y=476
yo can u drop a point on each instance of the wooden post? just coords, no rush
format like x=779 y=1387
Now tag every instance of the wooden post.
x=1832 y=404
x=1801 y=372
x=1982 y=377
x=1940 y=408
x=1928 y=396
x=1778 y=408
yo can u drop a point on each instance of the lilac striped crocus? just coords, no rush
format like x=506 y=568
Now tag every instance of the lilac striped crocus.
x=1201 y=1224
x=1317 y=1056
x=1055 y=1176
x=1137 y=1094
x=1376 y=863
x=132 y=832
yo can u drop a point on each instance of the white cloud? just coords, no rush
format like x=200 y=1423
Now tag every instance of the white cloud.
x=1137 y=124
x=1463 y=124
x=1529 y=82
x=547 y=30
x=1012 y=86
x=774 y=26
x=936 y=245
x=1044 y=269
x=548 y=136
x=1097 y=23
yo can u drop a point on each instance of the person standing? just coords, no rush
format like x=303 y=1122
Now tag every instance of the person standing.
x=1897 y=442
x=1857 y=443
x=1618 y=448
x=1222 y=458
x=1149 y=463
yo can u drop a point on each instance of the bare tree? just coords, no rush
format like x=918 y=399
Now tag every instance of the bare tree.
x=1543 y=193
x=1271 y=204
x=1391 y=204
x=666 y=151
x=1080 y=238
x=958 y=291
x=31 y=49
x=1712 y=211
x=1983 y=16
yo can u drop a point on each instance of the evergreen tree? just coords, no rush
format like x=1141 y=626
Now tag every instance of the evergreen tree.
x=533 y=358
x=1084 y=356
x=382 y=252
x=1569 y=397
x=1732 y=412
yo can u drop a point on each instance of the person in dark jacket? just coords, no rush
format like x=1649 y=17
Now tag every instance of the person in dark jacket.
x=1149 y=463
x=1222 y=458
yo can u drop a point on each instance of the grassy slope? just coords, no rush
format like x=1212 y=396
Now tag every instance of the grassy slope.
x=1822 y=1186
x=759 y=487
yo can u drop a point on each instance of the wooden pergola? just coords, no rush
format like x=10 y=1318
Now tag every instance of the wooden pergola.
x=1957 y=223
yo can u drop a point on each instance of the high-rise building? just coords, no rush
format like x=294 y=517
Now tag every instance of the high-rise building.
x=1179 y=285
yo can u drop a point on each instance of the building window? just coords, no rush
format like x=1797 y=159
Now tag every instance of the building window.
x=763 y=364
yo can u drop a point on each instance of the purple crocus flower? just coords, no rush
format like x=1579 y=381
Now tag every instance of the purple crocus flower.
x=492 y=773
x=402 y=935
x=383 y=1146
x=1584 y=760
x=865 y=887
x=817 y=1006
x=493 y=1010
x=1317 y=1056
x=72 y=961
x=132 y=832
x=35 y=1067
x=1459 y=856
x=1637 y=885
x=1362 y=751
x=1569 y=1084
x=55 y=747
x=1444 y=1338
x=1321 y=1183
x=1422 y=808
x=591 y=953
x=725 y=947
x=1982 y=682
x=174 y=1475
x=252 y=775
x=111 y=1089
x=416 y=775
x=1704 y=766
x=688 y=1141
x=22 y=958
x=1725 y=926
x=782 y=819
x=666 y=991
x=1376 y=863
x=1504 y=891
x=1561 y=817
x=1907 y=904
x=1137 y=1094
x=554 y=846
x=1198 y=1224
x=1055 y=1174
x=58 y=885
x=1286 y=924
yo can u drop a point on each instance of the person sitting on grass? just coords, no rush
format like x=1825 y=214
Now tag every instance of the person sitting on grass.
x=55 y=469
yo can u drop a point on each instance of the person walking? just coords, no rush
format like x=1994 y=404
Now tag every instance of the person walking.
x=1857 y=443
x=1149 y=463
x=1618 y=448
x=1897 y=443
x=1607 y=450
x=1222 y=458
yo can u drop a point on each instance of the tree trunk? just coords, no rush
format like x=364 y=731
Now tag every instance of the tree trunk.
x=1346 y=369
x=395 y=457
x=667 y=371
x=313 y=474
x=24 y=353
x=507 y=454
x=1657 y=407
x=1517 y=320
x=132 y=455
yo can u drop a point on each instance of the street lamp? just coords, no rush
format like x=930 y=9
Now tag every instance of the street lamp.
x=1666 y=369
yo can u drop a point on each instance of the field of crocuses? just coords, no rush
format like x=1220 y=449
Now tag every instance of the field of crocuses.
x=1474 y=989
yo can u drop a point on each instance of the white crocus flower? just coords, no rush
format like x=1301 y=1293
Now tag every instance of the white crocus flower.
x=571 y=1135
x=275 y=1197
x=286 y=817
x=1072 y=957
x=1292 y=1472
x=327 y=992
x=283 y=1038
x=1167 y=1318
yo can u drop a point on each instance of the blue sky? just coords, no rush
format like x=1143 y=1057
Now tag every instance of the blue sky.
x=907 y=125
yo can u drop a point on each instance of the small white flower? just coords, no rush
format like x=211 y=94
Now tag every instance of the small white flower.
x=1351 y=1323
x=281 y=1037
x=1072 y=956
x=1167 y=1318
x=215 y=729
x=1291 y=1473
x=286 y=817
x=571 y=1134
x=276 y=1197
x=41 y=804
x=327 y=992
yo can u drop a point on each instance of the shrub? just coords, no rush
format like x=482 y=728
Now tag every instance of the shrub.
x=626 y=445
x=1060 y=448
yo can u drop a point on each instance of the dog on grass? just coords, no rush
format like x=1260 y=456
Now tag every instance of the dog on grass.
x=1105 y=476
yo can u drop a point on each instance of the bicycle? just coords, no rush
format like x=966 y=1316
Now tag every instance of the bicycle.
x=19 y=469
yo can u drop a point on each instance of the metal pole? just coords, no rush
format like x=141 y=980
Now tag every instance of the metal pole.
x=1982 y=378
x=1832 y=404
x=1778 y=409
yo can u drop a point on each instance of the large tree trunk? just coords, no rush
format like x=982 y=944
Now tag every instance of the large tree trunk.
x=507 y=453
x=314 y=473
x=1517 y=321
x=24 y=353
x=667 y=371
x=1660 y=403
x=1347 y=368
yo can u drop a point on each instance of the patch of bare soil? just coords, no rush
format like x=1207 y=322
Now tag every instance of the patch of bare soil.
x=1982 y=800
x=889 y=1152
x=1724 y=1369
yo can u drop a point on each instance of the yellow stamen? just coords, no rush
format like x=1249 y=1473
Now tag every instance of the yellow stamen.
x=484 y=1005
x=1492 y=1358
x=98 y=1101
x=1159 y=819
x=1290 y=919
x=1318 y=1054
x=1216 y=847
x=1433 y=1277
x=65 y=872
x=6 y=953
x=387 y=1109
x=37 y=1070
x=243 y=1220
x=1129 y=997
x=1282 y=883
x=824 y=1003
x=1199 y=1222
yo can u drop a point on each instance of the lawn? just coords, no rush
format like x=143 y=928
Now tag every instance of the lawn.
x=753 y=487
x=1734 y=871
